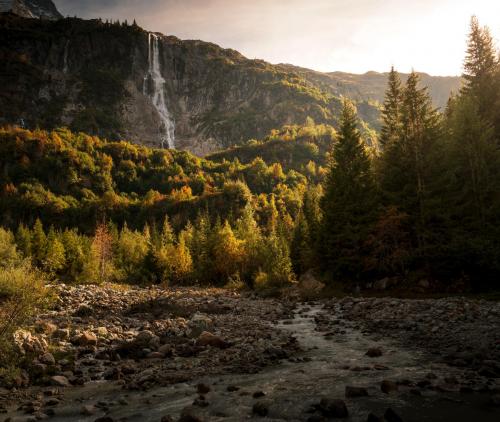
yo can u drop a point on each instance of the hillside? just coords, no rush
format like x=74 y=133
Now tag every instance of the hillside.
x=370 y=87
x=121 y=82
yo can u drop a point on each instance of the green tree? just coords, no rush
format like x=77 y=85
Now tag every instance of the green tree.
x=38 y=243
x=391 y=111
x=55 y=255
x=349 y=201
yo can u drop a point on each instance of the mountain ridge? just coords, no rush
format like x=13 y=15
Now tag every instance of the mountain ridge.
x=90 y=75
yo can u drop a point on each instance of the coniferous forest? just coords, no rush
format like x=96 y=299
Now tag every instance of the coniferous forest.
x=336 y=217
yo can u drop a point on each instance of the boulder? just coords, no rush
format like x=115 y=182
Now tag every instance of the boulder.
x=87 y=338
x=374 y=352
x=391 y=416
x=388 y=386
x=260 y=408
x=47 y=359
x=333 y=408
x=209 y=339
x=59 y=381
x=351 y=392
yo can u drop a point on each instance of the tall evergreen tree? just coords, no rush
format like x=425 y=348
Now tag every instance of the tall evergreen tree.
x=349 y=201
x=481 y=72
x=391 y=112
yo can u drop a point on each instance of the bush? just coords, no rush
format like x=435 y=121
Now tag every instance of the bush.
x=22 y=294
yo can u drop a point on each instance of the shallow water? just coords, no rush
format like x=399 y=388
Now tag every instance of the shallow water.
x=292 y=388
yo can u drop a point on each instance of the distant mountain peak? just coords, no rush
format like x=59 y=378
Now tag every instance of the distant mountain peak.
x=44 y=9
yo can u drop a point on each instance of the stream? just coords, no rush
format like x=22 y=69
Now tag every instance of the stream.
x=291 y=389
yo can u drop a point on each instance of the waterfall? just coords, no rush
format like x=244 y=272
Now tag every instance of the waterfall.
x=154 y=88
x=65 y=65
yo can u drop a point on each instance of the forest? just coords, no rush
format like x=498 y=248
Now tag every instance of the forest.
x=146 y=267
x=418 y=203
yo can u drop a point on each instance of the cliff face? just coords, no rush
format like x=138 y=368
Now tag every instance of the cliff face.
x=97 y=77
x=44 y=9
x=121 y=82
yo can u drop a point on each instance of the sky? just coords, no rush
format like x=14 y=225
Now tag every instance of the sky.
x=326 y=35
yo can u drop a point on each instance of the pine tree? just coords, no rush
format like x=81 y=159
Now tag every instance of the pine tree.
x=301 y=248
x=349 y=201
x=23 y=240
x=38 y=243
x=482 y=72
x=55 y=255
x=391 y=112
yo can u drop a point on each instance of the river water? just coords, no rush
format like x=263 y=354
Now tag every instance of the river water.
x=326 y=366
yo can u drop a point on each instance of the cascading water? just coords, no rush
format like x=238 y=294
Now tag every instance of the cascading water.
x=154 y=89
x=66 y=50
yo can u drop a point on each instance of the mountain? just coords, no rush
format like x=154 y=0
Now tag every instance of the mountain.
x=118 y=81
x=44 y=9
x=371 y=86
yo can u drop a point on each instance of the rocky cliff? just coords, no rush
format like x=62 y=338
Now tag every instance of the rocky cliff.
x=119 y=81
x=44 y=9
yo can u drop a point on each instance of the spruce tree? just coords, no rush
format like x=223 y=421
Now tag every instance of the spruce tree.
x=391 y=111
x=482 y=72
x=349 y=200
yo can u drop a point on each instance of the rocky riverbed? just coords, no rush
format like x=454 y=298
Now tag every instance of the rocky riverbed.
x=116 y=354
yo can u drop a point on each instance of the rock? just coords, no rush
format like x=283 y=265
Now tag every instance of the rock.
x=47 y=358
x=374 y=352
x=373 y=418
x=260 y=408
x=388 y=386
x=209 y=339
x=86 y=338
x=60 y=381
x=105 y=419
x=167 y=418
x=351 y=392
x=61 y=333
x=46 y=328
x=102 y=331
x=84 y=311
x=88 y=410
x=28 y=343
x=232 y=388
x=202 y=388
x=381 y=284
x=189 y=414
x=147 y=339
x=333 y=408
x=391 y=416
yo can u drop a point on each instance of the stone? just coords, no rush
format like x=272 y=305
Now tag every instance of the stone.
x=391 y=416
x=61 y=333
x=102 y=332
x=48 y=359
x=105 y=419
x=209 y=339
x=260 y=409
x=351 y=392
x=167 y=418
x=388 y=386
x=333 y=408
x=258 y=394
x=84 y=311
x=189 y=414
x=88 y=410
x=60 y=381
x=374 y=352
x=46 y=328
x=147 y=339
x=202 y=388
x=373 y=418
x=87 y=338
